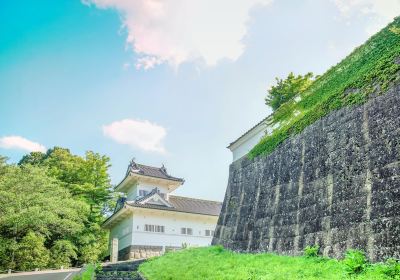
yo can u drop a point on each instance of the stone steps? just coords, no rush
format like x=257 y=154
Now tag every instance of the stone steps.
x=120 y=271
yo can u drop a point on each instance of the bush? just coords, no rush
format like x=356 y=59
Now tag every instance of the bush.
x=62 y=252
x=31 y=252
x=87 y=274
x=311 y=251
x=286 y=89
x=392 y=268
x=355 y=261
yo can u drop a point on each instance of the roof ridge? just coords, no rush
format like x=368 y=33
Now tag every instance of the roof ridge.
x=192 y=198
x=148 y=166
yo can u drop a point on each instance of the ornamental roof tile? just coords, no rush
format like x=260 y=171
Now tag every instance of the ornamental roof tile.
x=156 y=172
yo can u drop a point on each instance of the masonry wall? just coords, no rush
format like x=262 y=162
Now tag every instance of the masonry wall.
x=337 y=184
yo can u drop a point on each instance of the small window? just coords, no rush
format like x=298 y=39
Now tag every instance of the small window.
x=143 y=192
x=187 y=231
x=154 y=228
x=209 y=232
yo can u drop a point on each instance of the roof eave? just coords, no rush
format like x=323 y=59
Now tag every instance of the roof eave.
x=172 y=209
x=261 y=123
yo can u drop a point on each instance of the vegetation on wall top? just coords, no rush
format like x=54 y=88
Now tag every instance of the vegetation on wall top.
x=370 y=68
x=287 y=89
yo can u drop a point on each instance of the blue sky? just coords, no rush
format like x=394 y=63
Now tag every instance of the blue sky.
x=170 y=82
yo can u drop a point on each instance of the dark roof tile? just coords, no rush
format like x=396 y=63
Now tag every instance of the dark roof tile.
x=185 y=204
x=157 y=172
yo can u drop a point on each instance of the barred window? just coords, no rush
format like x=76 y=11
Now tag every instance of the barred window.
x=187 y=231
x=154 y=228
x=209 y=232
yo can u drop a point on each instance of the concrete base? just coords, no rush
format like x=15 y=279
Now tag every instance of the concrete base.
x=135 y=252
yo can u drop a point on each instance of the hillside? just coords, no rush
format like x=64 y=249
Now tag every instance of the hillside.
x=368 y=70
x=216 y=263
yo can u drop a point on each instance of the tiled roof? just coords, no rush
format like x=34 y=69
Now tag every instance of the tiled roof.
x=145 y=170
x=185 y=204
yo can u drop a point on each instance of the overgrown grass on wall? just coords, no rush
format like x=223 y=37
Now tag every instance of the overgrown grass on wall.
x=215 y=263
x=370 y=68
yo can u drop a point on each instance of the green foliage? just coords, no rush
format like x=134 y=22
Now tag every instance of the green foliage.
x=33 y=158
x=31 y=252
x=60 y=197
x=62 y=253
x=286 y=89
x=119 y=274
x=369 y=69
x=392 y=268
x=34 y=205
x=87 y=274
x=311 y=251
x=219 y=264
x=92 y=243
x=355 y=261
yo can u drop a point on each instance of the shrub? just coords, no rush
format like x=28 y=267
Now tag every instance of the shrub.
x=286 y=89
x=219 y=248
x=32 y=253
x=311 y=251
x=87 y=274
x=392 y=268
x=98 y=268
x=62 y=252
x=355 y=261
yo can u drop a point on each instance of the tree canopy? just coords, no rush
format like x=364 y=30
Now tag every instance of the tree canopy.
x=51 y=208
x=286 y=89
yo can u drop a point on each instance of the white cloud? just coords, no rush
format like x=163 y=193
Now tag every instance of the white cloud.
x=177 y=31
x=20 y=143
x=140 y=134
x=381 y=12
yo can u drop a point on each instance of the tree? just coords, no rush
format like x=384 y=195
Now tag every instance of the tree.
x=286 y=89
x=62 y=253
x=31 y=252
x=59 y=196
x=3 y=165
x=33 y=206
x=34 y=158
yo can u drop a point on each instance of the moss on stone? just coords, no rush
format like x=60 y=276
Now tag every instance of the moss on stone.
x=369 y=69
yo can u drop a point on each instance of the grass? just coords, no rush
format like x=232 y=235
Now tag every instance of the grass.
x=370 y=68
x=214 y=263
x=88 y=273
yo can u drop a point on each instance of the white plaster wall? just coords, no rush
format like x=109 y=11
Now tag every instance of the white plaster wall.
x=173 y=223
x=247 y=144
x=133 y=191
x=123 y=231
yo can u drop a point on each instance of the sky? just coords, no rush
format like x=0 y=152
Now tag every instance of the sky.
x=165 y=82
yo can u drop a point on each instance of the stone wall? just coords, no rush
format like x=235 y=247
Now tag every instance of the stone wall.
x=337 y=184
x=143 y=251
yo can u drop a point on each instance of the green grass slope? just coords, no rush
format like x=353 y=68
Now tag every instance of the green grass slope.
x=214 y=263
x=370 y=68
